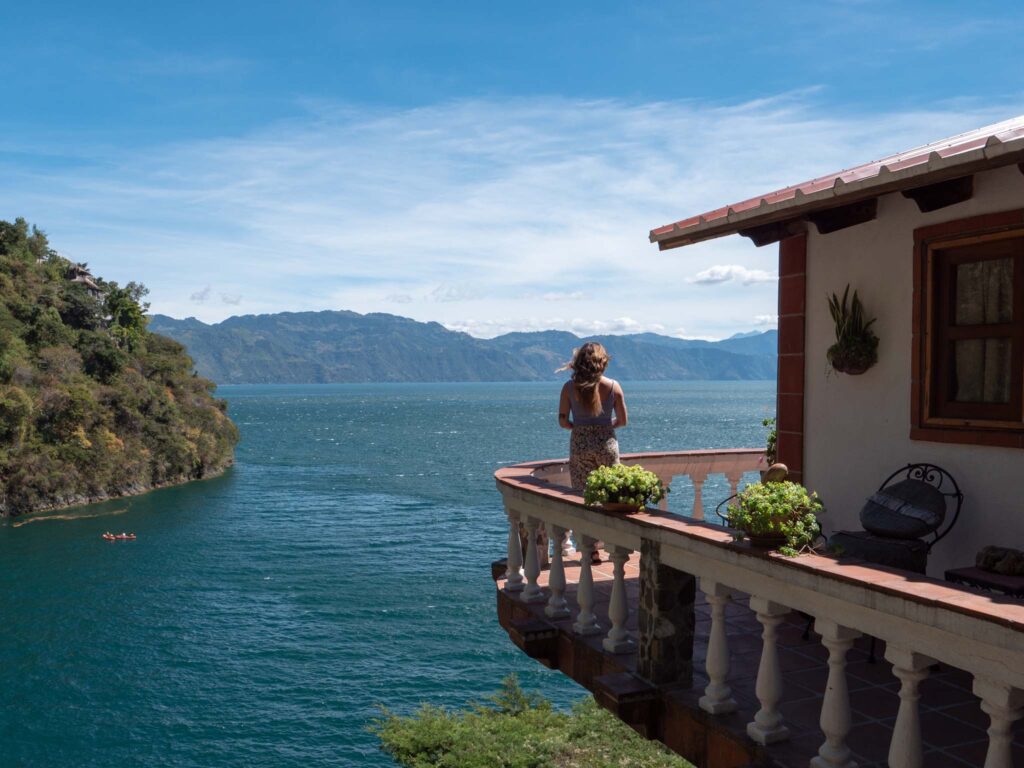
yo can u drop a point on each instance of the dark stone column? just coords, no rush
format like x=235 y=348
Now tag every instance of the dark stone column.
x=666 y=620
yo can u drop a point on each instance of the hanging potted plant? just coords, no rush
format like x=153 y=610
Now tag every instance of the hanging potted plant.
x=782 y=516
x=856 y=347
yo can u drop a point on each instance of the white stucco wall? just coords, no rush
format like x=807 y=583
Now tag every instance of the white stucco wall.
x=857 y=427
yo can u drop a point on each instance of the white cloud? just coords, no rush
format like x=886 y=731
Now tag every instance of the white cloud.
x=488 y=328
x=480 y=209
x=728 y=273
x=568 y=296
x=448 y=292
x=200 y=297
x=398 y=298
x=233 y=299
x=766 y=321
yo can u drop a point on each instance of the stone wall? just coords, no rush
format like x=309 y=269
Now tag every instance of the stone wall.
x=666 y=620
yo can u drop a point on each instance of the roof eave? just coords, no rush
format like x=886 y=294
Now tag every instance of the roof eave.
x=994 y=154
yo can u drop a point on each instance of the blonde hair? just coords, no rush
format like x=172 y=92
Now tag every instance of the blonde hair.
x=588 y=365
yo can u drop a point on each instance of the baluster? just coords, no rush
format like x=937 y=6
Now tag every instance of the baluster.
x=734 y=476
x=667 y=482
x=557 y=607
x=717 y=698
x=568 y=550
x=618 y=640
x=1004 y=705
x=586 y=621
x=532 y=593
x=911 y=668
x=698 y=478
x=835 y=708
x=767 y=727
x=514 y=564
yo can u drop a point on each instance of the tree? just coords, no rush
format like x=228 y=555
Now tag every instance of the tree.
x=514 y=729
x=127 y=313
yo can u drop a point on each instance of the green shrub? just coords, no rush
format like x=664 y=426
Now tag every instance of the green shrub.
x=518 y=730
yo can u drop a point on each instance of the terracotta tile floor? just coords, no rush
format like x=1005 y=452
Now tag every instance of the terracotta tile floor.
x=952 y=723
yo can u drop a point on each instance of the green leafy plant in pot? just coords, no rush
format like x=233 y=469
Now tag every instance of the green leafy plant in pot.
x=771 y=448
x=856 y=347
x=779 y=516
x=622 y=488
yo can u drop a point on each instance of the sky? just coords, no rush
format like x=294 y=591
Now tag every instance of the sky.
x=495 y=167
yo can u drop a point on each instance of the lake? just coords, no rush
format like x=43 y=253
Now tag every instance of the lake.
x=261 y=618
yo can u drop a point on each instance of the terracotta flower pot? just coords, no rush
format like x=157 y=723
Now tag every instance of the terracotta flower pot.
x=618 y=506
x=767 y=540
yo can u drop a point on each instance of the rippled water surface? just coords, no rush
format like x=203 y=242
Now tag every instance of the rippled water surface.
x=261 y=617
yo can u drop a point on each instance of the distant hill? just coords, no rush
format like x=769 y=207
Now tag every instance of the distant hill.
x=341 y=346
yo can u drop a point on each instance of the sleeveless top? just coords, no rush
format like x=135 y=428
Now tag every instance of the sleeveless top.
x=580 y=415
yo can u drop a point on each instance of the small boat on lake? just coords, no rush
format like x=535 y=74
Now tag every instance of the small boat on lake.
x=108 y=536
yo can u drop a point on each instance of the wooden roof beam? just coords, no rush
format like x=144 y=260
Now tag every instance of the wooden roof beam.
x=834 y=219
x=932 y=197
x=766 y=234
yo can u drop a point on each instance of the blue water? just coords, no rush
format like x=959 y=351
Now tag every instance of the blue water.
x=262 y=617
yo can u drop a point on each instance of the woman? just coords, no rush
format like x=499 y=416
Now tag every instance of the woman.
x=592 y=406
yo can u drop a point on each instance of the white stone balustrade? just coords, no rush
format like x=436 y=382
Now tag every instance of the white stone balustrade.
x=908 y=614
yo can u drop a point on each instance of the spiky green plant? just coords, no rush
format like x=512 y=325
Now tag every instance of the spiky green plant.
x=856 y=347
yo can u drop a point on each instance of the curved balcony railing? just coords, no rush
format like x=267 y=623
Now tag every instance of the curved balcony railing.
x=922 y=621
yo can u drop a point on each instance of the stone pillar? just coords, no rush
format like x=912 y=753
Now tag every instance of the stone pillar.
x=666 y=619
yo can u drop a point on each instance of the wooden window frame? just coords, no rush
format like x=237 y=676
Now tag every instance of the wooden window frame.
x=929 y=281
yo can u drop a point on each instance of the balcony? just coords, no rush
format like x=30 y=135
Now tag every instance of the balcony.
x=736 y=657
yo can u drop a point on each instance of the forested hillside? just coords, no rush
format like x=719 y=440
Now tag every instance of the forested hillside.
x=92 y=405
x=319 y=347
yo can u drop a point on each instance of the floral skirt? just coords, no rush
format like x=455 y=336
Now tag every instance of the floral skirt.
x=590 y=447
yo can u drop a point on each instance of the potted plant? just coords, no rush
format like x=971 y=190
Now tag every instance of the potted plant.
x=622 y=488
x=856 y=347
x=779 y=516
x=771 y=448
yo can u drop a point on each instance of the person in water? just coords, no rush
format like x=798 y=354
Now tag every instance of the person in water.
x=593 y=407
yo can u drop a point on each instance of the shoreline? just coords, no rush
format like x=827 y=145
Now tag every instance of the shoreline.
x=84 y=501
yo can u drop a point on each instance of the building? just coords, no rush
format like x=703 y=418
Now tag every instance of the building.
x=932 y=240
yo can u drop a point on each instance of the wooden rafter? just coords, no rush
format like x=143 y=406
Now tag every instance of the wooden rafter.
x=932 y=197
x=834 y=219
x=774 y=232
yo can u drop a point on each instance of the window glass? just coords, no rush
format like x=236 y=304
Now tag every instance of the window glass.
x=984 y=292
x=982 y=370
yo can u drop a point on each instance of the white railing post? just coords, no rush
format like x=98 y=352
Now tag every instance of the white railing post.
x=1004 y=705
x=911 y=668
x=618 y=639
x=767 y=727
x=835 y=708
x=568 y=550
x=556 y=607
x=532 y=593
x=586 y=621
x=717 y=698
x=514 y=564
x=667 y=482
x=698 y=478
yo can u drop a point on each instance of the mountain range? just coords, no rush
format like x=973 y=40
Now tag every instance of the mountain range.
x=342 y=346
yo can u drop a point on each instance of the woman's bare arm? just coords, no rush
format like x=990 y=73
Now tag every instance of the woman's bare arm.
x=563 y=407
x=621 y=415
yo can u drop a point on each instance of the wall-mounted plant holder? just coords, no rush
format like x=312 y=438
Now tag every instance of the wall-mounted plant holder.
x=856 y=347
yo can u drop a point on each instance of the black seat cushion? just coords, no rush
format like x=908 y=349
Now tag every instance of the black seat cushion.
x=908 y=509
x=907 y=554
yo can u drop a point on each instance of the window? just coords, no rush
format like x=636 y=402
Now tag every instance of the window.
x=969 y=331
